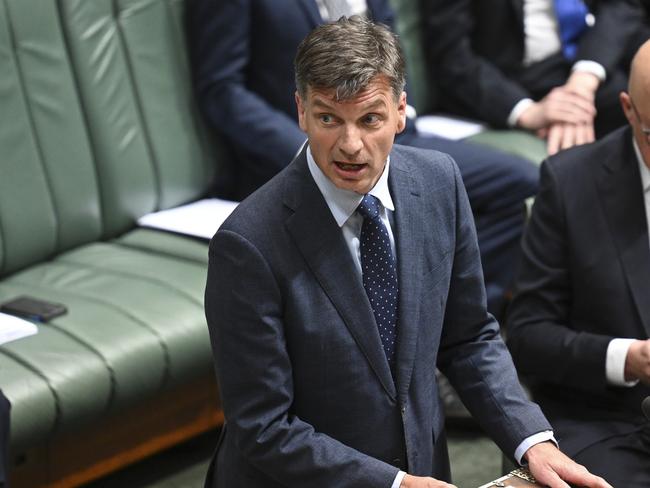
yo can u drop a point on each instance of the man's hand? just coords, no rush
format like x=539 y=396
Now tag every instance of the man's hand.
x=421 y=482
x=564 y=136
x=560 y=105
x=583 y=84
x=637 y=362
x=552 y=468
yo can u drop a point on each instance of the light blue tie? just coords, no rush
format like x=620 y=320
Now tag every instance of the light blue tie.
x=379 y=274
x=572 y=20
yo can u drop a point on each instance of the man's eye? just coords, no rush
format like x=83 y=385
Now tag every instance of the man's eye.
x=371 y=119
x=326 y=118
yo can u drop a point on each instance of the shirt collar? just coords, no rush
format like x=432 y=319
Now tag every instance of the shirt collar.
x=343 y=203
x=643 y=168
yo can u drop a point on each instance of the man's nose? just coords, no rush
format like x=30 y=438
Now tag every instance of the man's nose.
x=350 y=142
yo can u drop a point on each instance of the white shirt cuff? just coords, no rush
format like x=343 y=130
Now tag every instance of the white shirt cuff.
x=529 y=442
x=592 y=67
x=411 y=113
x=398 y=479
x=517 y=110
x=615 y=362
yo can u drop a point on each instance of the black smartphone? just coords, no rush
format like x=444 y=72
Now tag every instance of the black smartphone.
x=33 y=308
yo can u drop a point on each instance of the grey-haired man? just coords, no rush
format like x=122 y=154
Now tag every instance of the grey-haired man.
x=335 y=289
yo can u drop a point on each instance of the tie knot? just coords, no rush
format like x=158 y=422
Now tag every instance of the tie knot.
x=369 y=207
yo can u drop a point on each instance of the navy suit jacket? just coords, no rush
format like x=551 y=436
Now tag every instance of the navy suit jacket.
x=583 y=282
x=242 y=53
x=307 y=391
x=476 y=51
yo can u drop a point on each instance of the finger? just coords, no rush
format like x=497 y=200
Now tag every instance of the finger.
x=572 y=100
x=570 y=107
x=585 y=478
x=551 y=479
x=581 y=134
x=554 y=138
x=568 y=136
x=568 y=113
x=590 y=135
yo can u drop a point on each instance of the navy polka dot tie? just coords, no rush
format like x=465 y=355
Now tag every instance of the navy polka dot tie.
x=379 y=274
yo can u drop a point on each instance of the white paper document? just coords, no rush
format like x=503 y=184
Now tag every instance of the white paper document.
x=12 y=328
x=447 y=127
x=201 y=218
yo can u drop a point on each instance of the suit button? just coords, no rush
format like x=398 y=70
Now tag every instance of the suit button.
x=397 y=462
x=403 y=408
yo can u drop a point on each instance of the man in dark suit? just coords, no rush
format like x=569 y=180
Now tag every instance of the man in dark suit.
x=549 y=66
x=242 y=53
x=335 y=289
x=579 y=323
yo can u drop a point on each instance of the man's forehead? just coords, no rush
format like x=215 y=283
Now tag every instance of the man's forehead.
x=377 y=92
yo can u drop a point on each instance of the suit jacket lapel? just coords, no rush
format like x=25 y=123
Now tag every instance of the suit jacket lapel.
x=321 y=243
x=409 y=239
x=518 y=9
x=311 y=10
x=619 y=182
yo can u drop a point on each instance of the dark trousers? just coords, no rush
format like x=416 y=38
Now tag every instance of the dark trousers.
x=623 y=460
x=497 y=184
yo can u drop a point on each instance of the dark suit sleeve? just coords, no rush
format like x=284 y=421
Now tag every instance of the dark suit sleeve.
x=468 y=80
x=472 y=354
x=220 y=33
x=254 y=370
x=617 y=23
x=540 y=336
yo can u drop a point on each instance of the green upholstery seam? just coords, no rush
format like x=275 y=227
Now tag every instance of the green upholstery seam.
x=162 y=252
x=126 y=313
x=27 y=365
x=111 y=371
x=92 y=145
x=30 y=118
x=138 y=105
x=113 y=272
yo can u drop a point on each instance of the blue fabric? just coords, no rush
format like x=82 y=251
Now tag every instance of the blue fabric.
x=379 y=274
x=571 y=17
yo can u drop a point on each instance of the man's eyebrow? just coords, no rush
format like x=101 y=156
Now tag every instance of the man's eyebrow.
x=320 y=103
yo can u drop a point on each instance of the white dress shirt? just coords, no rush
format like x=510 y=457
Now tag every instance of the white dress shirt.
x=357 y=7
x=343 y=205
x=618 y=348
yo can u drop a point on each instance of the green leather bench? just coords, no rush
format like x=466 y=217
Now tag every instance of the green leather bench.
x=98 y=128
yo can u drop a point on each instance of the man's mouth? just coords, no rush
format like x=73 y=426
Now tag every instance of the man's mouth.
x=350 y=166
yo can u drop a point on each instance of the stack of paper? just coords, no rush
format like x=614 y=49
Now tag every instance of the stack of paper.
x=12 y=328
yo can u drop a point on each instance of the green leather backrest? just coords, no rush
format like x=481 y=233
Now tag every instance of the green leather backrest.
x=422 y=90
x=48 y=186
x=98 y=122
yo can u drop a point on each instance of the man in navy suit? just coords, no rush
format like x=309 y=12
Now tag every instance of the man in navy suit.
x=242 y=53
x=579 y=325
x=335 y=290
x=551 y=66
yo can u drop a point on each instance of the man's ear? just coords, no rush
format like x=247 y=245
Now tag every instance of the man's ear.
x=401 y=110
x=626 y=105
x=301 y=112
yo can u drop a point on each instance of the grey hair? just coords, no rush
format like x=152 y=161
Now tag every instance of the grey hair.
x=347 y=55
